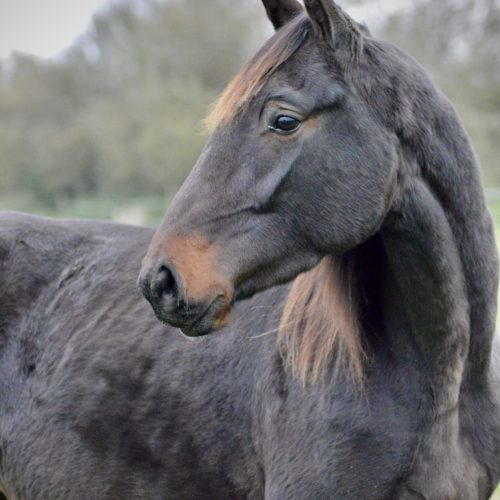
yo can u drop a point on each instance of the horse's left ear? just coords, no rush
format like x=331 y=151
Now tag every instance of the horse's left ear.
x=333 y=25
x=280 y=12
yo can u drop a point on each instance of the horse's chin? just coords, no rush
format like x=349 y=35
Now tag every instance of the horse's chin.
x=195 y=332
x=201 y=327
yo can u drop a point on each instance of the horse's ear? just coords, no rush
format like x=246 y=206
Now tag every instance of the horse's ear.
x=280 y=12
x=334 y=26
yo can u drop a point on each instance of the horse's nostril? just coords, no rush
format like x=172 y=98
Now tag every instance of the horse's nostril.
x=162 y=287
x=164 y=284
x=168 y=281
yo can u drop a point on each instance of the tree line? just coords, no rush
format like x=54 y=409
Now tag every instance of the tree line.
x=120 y=112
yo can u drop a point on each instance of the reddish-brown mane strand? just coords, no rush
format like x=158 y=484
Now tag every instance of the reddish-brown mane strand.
x=278 y=49
x=320 y=323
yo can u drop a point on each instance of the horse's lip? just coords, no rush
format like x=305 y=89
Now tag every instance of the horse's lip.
x=201 y=325
x=183 y=317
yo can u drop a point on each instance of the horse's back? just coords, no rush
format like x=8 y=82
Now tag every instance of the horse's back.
x=36 y=251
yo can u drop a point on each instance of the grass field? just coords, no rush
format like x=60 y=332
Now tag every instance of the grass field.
x=141 y=210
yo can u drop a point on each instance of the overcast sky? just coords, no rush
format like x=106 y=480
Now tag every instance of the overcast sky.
x=43 y=27
x=46 y=27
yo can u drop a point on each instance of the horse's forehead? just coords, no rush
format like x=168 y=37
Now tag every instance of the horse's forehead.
x=308 y=86
x=308 y=69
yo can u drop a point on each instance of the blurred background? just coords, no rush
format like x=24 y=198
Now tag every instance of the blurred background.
x=101 y=102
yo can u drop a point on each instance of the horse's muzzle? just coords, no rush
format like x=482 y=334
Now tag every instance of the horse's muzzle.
x=188 y=294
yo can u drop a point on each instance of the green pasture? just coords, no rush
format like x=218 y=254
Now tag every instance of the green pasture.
x=150 y=209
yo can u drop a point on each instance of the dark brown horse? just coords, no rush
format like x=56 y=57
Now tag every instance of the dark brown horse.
x=333 y=149
x=374 y=376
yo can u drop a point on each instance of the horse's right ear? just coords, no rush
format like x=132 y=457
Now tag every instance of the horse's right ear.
x=280 y=12
x=332 y=25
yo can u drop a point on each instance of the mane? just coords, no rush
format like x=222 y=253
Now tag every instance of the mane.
x=320 y=323
x=246 y=84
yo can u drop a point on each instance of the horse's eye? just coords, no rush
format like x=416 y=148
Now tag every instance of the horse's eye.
x=285 y=124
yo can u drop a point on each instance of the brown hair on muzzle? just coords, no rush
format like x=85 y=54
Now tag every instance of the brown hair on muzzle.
x=183 y=279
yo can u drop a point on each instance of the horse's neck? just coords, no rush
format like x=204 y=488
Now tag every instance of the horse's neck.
x=425 y=289
x=442 y=219
x=451 y=169
x=438 y=284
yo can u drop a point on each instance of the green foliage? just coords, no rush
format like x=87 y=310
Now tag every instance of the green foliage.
x=120 y=114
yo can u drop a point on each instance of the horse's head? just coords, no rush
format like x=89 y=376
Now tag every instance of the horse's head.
x=298 y=167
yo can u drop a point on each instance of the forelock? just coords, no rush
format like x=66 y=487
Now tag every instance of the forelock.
x=247 y=83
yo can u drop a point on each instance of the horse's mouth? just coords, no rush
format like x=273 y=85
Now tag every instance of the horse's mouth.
x=195 y=321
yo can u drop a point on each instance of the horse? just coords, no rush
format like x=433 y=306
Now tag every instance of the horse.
x=334 y=160
x=335 y=163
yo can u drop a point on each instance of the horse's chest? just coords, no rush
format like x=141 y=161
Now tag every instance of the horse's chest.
x=375 y=451
x=352 y=448
x=444 y=466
